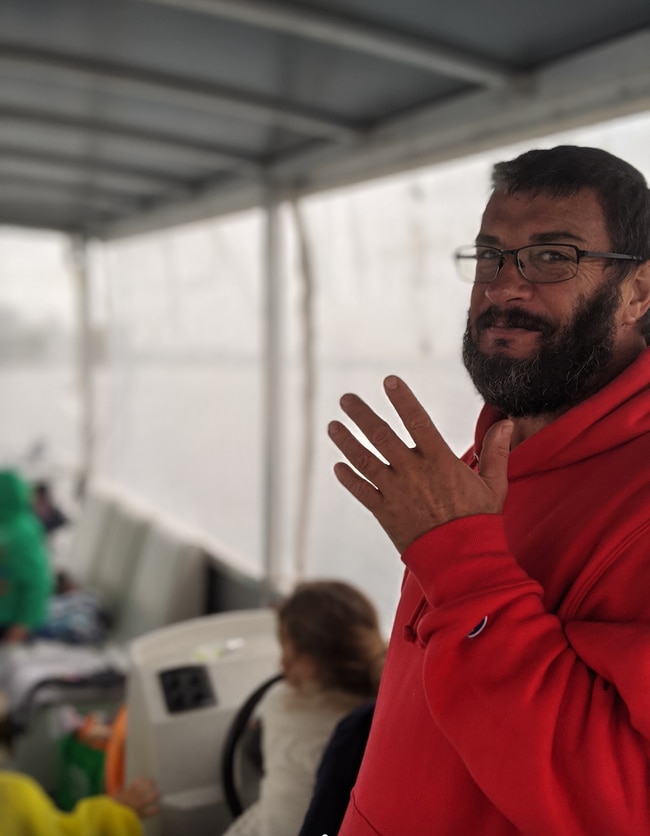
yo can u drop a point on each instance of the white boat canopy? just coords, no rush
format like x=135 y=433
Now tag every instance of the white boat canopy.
x=123 y=116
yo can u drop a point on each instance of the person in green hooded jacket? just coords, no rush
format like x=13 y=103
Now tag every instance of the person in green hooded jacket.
x=25 y=574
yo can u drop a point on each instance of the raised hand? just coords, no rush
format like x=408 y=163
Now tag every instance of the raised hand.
x=421 y=486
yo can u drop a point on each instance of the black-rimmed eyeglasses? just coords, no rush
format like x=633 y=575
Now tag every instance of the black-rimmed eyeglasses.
x=537 y=263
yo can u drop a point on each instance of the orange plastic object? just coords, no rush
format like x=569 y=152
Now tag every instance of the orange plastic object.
x=114 y=763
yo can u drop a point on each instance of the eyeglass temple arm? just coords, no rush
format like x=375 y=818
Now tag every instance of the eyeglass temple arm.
x=620 y=256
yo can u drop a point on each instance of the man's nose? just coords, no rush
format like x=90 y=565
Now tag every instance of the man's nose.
x=509 y=284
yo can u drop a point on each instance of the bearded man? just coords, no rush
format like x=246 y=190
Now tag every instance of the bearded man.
x=515 y=693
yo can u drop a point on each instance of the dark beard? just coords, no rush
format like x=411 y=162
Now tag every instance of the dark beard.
x=572 y=362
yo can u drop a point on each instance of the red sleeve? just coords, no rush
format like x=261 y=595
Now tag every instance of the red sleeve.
x=552 y=720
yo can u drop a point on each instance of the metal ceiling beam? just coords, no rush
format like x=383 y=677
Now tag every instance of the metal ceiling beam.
x=597 y=84
x=140 y=178
x=227 y=198
x=12 y=216
x=13 y=169
x=357 y=35
x=185 y=93
x=601 y=83
x=205 y=154
x=25 y=188
x=73 y=220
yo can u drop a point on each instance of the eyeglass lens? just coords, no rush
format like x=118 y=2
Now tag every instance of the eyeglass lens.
x=537 y=263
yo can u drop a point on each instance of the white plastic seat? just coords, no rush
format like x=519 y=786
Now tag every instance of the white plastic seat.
x=90 y=535
x=114 y=572
x=166 y=586
x=181 y=747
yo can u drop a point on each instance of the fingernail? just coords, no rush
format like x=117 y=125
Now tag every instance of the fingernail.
x=391 y=382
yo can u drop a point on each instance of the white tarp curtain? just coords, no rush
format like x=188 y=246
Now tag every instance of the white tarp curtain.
x=182 y=401
x=179 y=390
x=38 y=379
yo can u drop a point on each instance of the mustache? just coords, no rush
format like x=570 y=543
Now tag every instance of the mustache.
x=513 y=318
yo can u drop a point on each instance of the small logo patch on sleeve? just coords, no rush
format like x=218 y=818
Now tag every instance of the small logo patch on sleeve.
x=478 y=629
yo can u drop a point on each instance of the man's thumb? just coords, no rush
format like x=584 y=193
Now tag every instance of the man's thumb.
x=493 y=464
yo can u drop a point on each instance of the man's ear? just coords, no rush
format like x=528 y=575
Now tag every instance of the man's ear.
x=636 y=294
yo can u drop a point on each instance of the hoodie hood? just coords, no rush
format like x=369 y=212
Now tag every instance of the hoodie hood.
x=15 y=496
x=586 y=429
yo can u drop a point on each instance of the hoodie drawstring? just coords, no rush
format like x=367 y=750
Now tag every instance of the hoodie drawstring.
x=409 y=631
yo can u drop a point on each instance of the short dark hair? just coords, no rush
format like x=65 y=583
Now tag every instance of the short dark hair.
x=338 y=627
x=621 y=190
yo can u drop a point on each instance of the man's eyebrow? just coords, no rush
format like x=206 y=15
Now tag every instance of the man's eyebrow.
x=556 y=235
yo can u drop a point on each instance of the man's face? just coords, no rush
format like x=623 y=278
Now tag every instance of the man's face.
x=534 y=349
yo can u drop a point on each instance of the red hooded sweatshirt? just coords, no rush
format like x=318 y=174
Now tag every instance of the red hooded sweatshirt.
x=516 y=692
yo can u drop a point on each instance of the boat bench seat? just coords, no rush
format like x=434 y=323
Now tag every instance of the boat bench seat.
x=145 y=569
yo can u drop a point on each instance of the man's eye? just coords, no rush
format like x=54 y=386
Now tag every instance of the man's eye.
x=551 y=256
x=487 y=254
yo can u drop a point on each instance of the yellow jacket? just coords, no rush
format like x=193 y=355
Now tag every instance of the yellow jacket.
x=26 y=810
